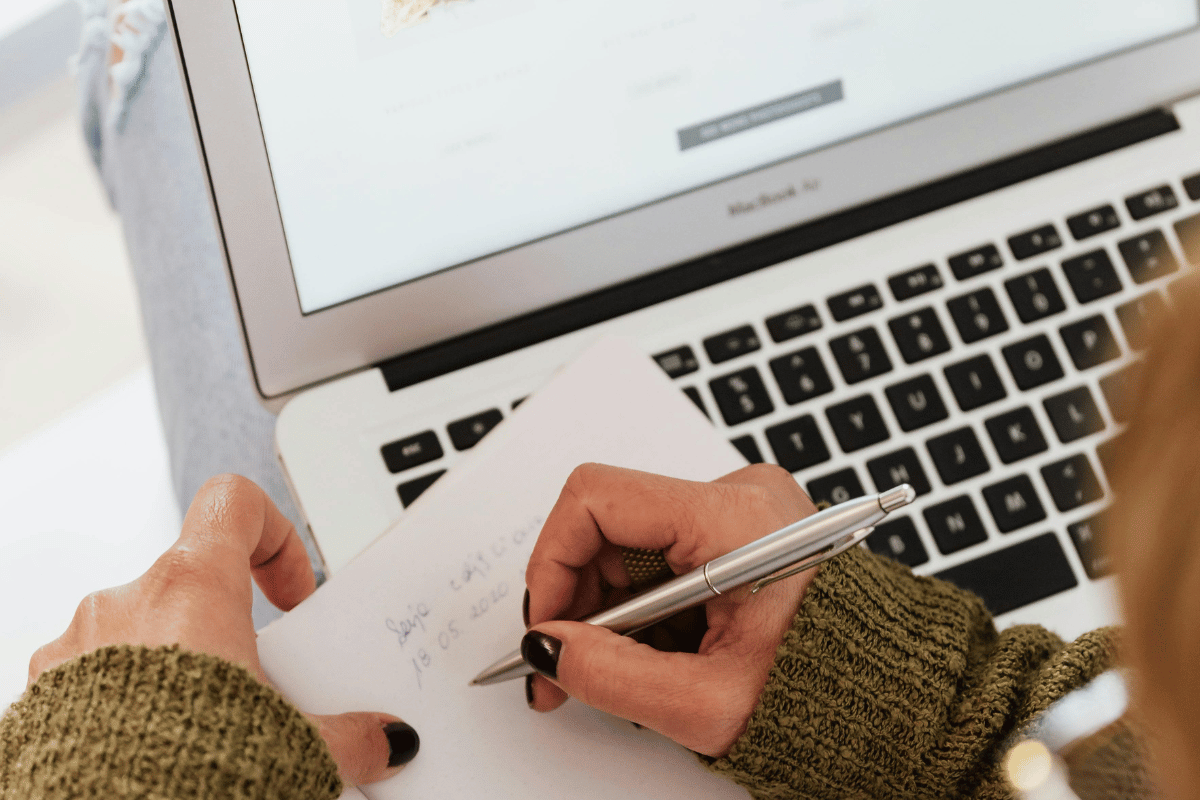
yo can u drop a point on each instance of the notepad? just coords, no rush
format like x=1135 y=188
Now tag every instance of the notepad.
x=406 y=625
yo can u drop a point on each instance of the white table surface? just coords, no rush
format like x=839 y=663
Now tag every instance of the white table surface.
x=85 y=503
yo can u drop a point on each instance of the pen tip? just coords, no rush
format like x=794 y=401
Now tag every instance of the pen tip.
x=898 y=497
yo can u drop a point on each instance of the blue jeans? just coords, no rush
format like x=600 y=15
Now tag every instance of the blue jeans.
x=136 y=121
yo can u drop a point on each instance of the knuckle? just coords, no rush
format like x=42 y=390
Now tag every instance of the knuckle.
x=177 y=570
x=90 y=609
x=581 y=478
x=226 y=498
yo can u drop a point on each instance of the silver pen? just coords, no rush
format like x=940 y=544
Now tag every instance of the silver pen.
x=786 y=552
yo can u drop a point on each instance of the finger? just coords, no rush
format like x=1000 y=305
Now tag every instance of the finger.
x=235 y=529
x=699 y=701
x=367 y=747
x=691 y=522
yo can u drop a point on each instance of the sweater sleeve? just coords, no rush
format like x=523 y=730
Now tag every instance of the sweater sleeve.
x=890 y=685
x=127 y=721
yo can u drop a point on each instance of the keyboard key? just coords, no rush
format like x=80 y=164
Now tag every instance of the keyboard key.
x=1091 y=223
x=412 y=451
x=693 y=394
x=1072 y=483
x=1092 y=276
x=1014 y=503
x=1016 y=576
x=1116 y=389
x=678 y=362
x=1035 y=296
x=1032 y=362
x=1090 y=342
x=1192 y=187
x=466 y=433
x=731 y=344
x=1155 y=201
x=899 y=467
x=976 y=262
x=748 y=448
x=836 y=488
x=857 y=423
x=801 y=376
x=1137 y=315
x=798 y=444
x=409 y=492
x=1085 y=535
x=975 y=382
x=908 y=285
x=1188 y=231
x=1016 y=435
x=957 y=456
x=955 y=525
x=1148 y=256
x=1035 y=242
x=791 y=324
x=862 y=300
x=741 y=396
x=919 y=335
x=916 y=402
x=897 y=539
x=860 y=355
x=1074 y=414
x=977 y=315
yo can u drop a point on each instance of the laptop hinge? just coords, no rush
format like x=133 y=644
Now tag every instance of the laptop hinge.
x=581 y=312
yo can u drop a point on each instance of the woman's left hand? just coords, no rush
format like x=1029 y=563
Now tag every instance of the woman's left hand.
x=198 y=595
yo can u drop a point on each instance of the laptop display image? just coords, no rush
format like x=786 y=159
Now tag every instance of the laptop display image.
x=874 y=242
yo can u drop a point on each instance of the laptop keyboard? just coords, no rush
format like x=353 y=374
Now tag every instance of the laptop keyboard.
x=941 y=322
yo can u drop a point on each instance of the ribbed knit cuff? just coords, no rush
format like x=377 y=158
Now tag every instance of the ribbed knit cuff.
x=888 y=686
x=127 y=721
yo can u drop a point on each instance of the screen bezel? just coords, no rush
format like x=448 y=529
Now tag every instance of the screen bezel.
x=289 y=350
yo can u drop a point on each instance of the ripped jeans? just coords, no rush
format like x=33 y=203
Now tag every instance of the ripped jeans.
x=136 y=121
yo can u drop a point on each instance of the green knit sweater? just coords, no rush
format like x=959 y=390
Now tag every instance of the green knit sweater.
x=886 y=686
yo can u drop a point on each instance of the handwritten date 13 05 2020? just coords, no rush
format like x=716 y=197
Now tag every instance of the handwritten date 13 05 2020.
x=441 y=638
x=419 y=628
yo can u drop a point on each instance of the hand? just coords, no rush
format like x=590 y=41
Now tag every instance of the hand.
x=198 y=595
x=701 y=700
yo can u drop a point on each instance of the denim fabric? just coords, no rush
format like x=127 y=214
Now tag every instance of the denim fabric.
x=136 y=120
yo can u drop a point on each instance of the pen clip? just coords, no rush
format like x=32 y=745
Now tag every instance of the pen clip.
x=837 y=548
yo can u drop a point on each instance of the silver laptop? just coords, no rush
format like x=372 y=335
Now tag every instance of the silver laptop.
x=874 y=241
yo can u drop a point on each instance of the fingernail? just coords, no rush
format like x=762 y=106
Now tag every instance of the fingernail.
x=403 y=743
x=525 y=608
x=529 y=690
x=541 y=651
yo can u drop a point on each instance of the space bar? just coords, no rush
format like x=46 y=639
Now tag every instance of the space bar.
x=1015 y=576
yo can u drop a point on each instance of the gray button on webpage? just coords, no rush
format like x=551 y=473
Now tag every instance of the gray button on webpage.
x=772 y=111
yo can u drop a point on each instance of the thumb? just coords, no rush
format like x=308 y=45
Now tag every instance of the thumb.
x=681 y=695
x=367 y=747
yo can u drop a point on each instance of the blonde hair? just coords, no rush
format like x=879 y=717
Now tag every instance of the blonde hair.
x=1153 y=535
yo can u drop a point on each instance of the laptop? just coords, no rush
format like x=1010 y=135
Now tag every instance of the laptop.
x=874 y=242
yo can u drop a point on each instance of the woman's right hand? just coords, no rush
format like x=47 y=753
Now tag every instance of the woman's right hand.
x=701 y=700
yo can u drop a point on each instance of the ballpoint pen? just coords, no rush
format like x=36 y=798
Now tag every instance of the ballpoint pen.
x=786 y=552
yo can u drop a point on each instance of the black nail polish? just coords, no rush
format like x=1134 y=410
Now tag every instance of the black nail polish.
x=525 y=608
x=541 y=652
x=529 y=690
x=403 y=743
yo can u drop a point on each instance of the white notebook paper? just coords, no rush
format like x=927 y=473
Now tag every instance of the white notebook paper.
x=406 y=625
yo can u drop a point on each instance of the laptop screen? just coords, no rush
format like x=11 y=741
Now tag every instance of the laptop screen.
x=407 y=137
